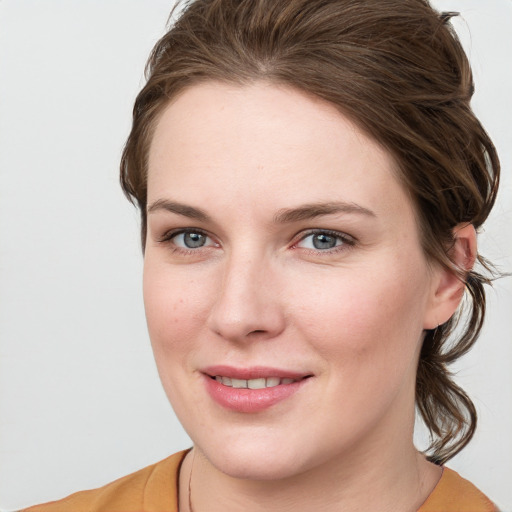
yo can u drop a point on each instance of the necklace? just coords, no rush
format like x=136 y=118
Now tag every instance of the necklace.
x=190 y=481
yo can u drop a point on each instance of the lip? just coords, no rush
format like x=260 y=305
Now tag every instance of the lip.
x=255 y=372
x=251 y=400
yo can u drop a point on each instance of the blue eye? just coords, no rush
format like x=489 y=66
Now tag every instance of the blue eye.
x=324 y=241
x=191 y=240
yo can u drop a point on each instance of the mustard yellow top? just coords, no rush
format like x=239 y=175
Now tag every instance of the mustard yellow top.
x=155 y=489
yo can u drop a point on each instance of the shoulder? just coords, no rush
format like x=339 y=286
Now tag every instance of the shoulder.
x=456 y=494
x=151 y=489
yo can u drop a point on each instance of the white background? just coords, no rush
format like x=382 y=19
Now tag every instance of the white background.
x=80 y=401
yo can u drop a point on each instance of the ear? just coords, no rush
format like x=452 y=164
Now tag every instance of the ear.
x=448 y=287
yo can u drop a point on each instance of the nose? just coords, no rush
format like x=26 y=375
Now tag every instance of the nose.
x=247 y=305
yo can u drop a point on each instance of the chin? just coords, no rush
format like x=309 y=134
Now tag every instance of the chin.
x=256 y=461
x=266 y=467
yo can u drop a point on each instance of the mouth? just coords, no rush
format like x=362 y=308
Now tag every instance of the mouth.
x=259 y=383
x=254 y=389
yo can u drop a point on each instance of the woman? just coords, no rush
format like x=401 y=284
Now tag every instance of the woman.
x=310 y=178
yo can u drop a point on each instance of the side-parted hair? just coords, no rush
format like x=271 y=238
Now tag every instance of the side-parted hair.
x=398 y=70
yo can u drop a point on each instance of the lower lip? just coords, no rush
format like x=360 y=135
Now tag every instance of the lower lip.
x=250 y=400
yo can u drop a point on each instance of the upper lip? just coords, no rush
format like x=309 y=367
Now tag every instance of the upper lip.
x=255 y=372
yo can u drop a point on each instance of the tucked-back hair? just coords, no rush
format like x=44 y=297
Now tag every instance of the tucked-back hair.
x=397 y=69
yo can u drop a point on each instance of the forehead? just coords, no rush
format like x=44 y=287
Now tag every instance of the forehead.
x=262 y=140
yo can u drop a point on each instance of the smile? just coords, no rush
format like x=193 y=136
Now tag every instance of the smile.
x=260 y=383
x=252 y=390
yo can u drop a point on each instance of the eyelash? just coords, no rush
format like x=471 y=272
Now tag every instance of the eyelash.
x=347 y=241
x=168 y=237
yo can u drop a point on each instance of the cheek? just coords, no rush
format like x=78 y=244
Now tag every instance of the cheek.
x=175 y=306
x=367 y=317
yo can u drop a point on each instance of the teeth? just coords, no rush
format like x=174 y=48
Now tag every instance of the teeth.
x=273 y=381
x=257 y=384
x=239 y=383
x=261 y=383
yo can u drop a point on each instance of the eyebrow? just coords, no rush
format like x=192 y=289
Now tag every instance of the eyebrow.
x=180 y=209
x=311 y=211
x=283 y=216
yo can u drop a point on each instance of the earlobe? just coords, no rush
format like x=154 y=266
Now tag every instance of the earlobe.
x=448 y=286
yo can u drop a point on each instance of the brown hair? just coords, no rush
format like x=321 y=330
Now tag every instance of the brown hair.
x=398 y=70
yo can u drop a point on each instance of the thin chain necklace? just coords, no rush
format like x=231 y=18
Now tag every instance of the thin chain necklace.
x=190 y=481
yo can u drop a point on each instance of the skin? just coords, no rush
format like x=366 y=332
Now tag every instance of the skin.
x=260 y=293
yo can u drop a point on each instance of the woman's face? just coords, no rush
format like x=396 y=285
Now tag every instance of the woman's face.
x=282 y=255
